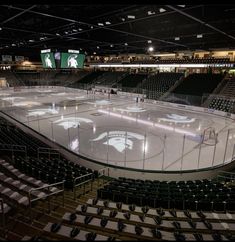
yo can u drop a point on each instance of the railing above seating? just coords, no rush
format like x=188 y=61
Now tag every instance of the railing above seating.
x=82 y=183
x=49 y=151
x=14 y=148
x=226 y=175
x=102 y=173
x=30 y=193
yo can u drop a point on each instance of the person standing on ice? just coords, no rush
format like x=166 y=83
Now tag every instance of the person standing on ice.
x=48 y=61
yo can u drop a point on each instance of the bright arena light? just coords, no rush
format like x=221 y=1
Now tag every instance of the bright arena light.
x=150 y=49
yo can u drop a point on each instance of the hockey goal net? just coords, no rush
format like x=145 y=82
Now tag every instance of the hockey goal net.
x=209 y=136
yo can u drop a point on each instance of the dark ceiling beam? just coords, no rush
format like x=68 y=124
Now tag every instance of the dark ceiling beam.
x=136 y=20
x=100 y=43
x=27 y=31
x=201 y=22
x=61 y=27
x=17 y=15
x=122 y=10
x=108 y=28
x=43 y=14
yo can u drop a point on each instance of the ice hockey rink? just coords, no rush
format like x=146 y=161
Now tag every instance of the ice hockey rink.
x=116 y=130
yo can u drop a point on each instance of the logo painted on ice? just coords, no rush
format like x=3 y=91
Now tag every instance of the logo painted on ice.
x=133 y=109
x=13 y=99
x=58 y=94
x=40 y=112
x=177 y=118
x=26 y=104
x=120 y=140
x=72 y=98
x=100 y=102
x=72 y=122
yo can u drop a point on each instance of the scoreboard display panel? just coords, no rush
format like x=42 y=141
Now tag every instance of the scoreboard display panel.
x=72 y=60
x=48 y=60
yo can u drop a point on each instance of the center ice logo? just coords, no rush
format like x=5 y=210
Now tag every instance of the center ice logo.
x=67 y=123
x=177 y=118
x=72 y=62
x=120 y=140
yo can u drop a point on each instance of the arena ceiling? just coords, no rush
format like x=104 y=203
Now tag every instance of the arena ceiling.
x=114 y=29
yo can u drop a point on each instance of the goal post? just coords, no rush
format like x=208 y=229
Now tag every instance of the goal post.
x=209 y=136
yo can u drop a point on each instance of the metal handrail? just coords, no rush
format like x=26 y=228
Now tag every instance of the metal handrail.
x=15 y=148
x=81 y=183
x=101 y=175
x=3 y=214
x=48 y=151
x=103 y=169
x=46 y=195
x=228 y=172
x=226 y=175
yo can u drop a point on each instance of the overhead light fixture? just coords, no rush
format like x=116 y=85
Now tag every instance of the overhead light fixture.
x=150 y=49
x=94 y=53
x=199 y=36
x=107 y=23
x=31 y=40
x=131 y=16
x=57 y=34
x=151 y=13
x=111 y=45
x=149 y=41
x=92 y=27
x=80 y=29
x=97 y=47
x=66 y=32
x=0 y=28
x=182 y=6
x=13 y=44
x=162 y=10
x=126 y=44
x=100 y=24
x=74 y=30
x=123 y=19
x=177 y=38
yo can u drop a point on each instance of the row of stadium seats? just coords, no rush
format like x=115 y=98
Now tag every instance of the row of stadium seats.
x=54 y=170
x=208 y=195
x=148 y=223
x=196 y=85
x=49 y=170
x=168 y=61
x=132 y=80
x=109 y=78
x=157 y=85
x=223 y=104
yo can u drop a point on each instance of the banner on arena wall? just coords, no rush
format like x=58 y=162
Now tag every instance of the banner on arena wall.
x=6 y=57
x=19 y=58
